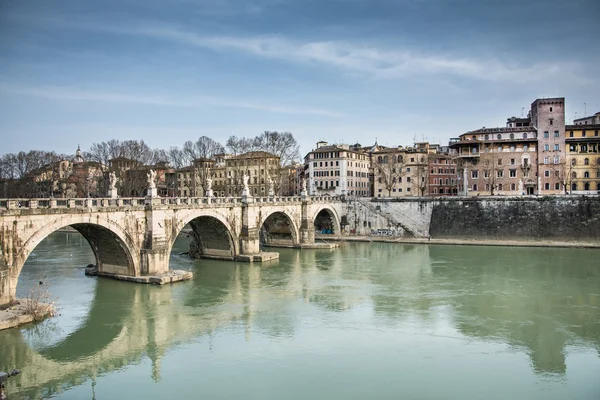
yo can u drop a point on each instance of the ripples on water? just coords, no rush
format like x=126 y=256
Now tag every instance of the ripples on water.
x=364 y=321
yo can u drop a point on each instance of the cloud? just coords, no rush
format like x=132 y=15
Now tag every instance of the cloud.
x=366 y=59
x=67 y=93
x=372 y=61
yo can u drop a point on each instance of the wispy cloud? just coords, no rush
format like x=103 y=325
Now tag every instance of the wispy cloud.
x=68 y=93
x=372 y=61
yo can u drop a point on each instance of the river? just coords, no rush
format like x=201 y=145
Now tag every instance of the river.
x=368 y=320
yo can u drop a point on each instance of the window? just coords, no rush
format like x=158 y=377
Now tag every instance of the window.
x=546 y=160
x=573 y=162
x=546 y=173
x=474 y=187
x=574 y=175
x=573 y=186
x=546 y=134
x=499 y=161
x=513 y=186
x=512 y=161
x=556 y=147
x=475 y=174
x=550 y=108
x=557 y=186
x=546 y=147
x=487 y=137
x=556 y=134
x=586 y=186
x=586 y=174
x=571 y=134
x=408 y=179
x=556 y=159
x=547 y=186
x=586 y=161
x=583 y=134
x=551 y=121
x=512 y=173
x=512 y=135
x=525 y=147
x=500 y=187
x=596 y=132
x=525 y=135
x=499 y=137
x=499 y=173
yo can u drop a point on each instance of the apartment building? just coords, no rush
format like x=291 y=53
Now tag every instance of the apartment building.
x=400 y=172
x=337 y=170
x=497 y=161
x=442 y=174
x=582 y=169
x=259 y=166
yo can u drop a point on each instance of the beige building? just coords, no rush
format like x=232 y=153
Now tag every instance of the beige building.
x=582 y=171
x=259 y=166
x=400 y=172
x=497 y=161
x=337 y=170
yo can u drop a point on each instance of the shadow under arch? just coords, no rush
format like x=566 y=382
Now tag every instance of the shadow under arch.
x=111 y=307
x=212 y=237
x=326 y=220
x=111 y=245
x=278 y=229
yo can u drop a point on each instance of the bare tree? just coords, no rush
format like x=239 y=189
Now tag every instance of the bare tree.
x=488 y=160
x=136 y=150
x=282 y=145
x=564 y=173
x=390 y=168
x=421 y=176
x=204 y=147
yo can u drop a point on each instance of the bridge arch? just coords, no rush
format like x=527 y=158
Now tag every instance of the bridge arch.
x=278 y=228
x=213 y=234
x=113 y=247
x=325 y=217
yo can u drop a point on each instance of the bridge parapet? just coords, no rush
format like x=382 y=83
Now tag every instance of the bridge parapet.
x=140 y=203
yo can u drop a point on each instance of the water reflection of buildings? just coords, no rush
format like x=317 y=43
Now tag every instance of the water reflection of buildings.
x=530 y=308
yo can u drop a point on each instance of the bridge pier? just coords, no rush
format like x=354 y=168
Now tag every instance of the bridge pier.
x=250 y=236
x=307 y=227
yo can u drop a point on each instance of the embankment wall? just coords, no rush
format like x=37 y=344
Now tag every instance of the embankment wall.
x=533 y=218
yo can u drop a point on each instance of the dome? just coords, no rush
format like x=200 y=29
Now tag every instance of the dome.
x=78 y=157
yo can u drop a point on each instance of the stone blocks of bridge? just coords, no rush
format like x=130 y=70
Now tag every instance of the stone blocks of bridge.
x=132 y=239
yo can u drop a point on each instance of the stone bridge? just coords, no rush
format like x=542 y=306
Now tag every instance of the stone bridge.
x=133 y=237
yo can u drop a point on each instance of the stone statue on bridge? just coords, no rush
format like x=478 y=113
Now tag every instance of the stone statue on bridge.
x=209 y=191
x=246 y=189
x=151 y=175
x=271 y=192
x=112 y=182
x=112 y=177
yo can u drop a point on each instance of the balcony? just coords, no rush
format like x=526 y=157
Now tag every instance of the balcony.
x=468 y=155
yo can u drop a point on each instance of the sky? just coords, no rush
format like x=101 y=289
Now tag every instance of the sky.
x=76 y=72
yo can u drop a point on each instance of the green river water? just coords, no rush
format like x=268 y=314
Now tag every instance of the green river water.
x=366 y=321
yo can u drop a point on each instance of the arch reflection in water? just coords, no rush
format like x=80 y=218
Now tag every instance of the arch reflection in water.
x=375 y=307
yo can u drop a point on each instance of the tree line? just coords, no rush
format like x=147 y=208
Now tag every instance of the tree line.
x=282 y=144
